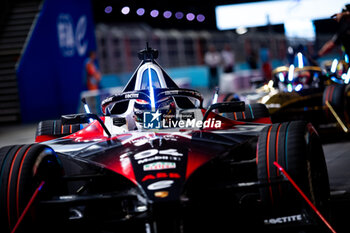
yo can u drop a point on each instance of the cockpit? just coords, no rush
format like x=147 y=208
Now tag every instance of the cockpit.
x=150 y=90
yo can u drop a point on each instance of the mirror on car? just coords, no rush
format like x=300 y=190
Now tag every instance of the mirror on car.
x=82 y=118
x=234 y=106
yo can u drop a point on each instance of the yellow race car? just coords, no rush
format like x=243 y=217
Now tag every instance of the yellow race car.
x=308 y=93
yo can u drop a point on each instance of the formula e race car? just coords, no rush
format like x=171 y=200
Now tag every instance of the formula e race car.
x=157 y=161
x=310 y=93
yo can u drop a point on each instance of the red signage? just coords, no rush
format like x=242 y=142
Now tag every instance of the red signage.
x=173 y=175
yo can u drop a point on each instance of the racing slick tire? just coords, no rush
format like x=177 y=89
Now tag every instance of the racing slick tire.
x=335 y=95
x=55 y=128
x=252 y=112
x=22 y=169
x=296 y=147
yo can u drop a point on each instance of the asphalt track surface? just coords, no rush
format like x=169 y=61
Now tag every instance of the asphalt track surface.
x=336 y=148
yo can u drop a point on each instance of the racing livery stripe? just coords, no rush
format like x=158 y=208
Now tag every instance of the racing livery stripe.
x=277 y=141
x=18 y=180
x=268 y=161
x=251 y=111
x=277 y=137
x=9 y=185
x=285 y=148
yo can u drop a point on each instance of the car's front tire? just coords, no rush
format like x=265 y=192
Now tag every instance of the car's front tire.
x=296 y=147
x=22 y=169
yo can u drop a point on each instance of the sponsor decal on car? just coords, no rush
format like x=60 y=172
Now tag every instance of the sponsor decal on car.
x=173 y=92
x=159 y=166
x=172 y=152
x=144 y=139
x=144 y=156
x=130 y=96
x=285 y=219
x=147 y=160
x=273 y=105
x=163 y=184
x=160 y=175
x=164 y=157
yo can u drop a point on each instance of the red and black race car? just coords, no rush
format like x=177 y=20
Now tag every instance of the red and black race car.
x=157 y=161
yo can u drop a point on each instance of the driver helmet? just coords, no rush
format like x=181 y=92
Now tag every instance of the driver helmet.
x=140 y=107
x=165 y=106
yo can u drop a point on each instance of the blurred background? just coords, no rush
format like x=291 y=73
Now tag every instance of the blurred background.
x=45 y=46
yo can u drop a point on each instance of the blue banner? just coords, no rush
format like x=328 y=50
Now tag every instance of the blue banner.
x=52 y=68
